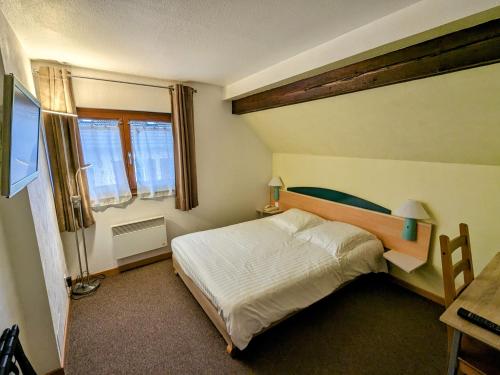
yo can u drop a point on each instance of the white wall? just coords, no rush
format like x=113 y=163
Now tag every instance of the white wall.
x=33 y=245
x=103 y=94
x=10 y=309
x=28 y=277
x=233 y=165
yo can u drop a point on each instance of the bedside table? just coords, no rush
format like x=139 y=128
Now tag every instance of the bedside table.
x=262 y=213
x=404 y=261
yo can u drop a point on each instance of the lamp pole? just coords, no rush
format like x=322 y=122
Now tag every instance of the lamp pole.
x=85 y=286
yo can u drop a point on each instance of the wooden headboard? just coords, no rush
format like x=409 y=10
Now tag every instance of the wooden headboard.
x=386 y=227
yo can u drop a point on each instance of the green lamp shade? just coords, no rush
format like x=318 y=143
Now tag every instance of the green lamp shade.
x=412 y=211
x=409 y=232
x=275 y=185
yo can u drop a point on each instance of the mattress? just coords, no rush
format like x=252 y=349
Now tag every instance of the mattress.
x=255 y=273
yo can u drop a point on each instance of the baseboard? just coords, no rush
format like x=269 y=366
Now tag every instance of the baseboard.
x=128 y=266
x=107 y=273
x=59 y=371
x=144 y=262
x=65 y=338
x=415 y=289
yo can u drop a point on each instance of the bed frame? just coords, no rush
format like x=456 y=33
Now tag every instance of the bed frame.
x=386 y=227
x=375 y=219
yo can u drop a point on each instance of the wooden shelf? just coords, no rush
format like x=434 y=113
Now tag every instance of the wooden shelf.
x=263 y=213
x=406 y=262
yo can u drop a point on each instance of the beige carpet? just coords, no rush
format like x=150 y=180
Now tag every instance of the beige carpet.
x=145 y=321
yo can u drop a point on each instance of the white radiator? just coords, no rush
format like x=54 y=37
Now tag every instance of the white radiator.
x=138 y=236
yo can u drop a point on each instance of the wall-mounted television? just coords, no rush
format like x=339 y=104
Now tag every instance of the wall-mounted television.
x=19 y=139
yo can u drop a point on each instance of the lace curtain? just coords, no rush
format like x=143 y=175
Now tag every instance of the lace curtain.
x=102 y=148
x=153 y=151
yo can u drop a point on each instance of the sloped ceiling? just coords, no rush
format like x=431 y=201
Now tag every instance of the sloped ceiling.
x=451 y=118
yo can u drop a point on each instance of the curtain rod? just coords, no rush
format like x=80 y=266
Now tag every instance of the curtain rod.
x=59 y=113
x=171 y=87
x=124 y=82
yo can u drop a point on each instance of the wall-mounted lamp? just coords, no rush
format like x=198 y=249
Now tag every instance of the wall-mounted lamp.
x=275 y=185
x=412 y=211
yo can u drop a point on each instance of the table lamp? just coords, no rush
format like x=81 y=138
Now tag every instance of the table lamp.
x=412 y=211
x=275 y=185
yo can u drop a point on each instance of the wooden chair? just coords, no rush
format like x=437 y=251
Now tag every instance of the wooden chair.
x=474 y=357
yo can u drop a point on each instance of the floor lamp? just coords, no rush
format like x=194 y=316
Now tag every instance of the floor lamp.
x=83 y=283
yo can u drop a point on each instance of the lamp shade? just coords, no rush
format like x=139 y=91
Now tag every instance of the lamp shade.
x=412 y=210
x=275 y=181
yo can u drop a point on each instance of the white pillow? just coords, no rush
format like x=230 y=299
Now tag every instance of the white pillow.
x=336 y=237
x=294 y=220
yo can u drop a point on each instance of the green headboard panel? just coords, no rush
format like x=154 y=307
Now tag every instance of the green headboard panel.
x=339 y=197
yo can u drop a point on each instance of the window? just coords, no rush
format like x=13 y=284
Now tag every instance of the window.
x=131 y=153
x=153 y=150
x=102 y=148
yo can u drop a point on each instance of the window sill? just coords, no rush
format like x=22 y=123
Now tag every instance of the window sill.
x=124 y=205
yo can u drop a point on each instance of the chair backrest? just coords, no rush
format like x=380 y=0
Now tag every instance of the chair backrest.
x=450 y=270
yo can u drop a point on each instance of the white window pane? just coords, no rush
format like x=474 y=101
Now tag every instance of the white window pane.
x=153 y=149
x=101 y=144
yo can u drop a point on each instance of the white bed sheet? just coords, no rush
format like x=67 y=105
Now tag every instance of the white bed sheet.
x=255 y=273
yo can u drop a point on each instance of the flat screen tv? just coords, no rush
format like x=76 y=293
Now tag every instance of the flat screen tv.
x=20 y=129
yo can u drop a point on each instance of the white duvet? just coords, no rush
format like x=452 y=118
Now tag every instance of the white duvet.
x=257 y=273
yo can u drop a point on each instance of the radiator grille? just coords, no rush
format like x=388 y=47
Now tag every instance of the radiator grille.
x=138 y=225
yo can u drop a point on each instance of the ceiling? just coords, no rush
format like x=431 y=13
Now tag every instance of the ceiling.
x=450 y=118
x=216 y=42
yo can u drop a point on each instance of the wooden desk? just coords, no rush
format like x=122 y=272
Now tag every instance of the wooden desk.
x=481 y=297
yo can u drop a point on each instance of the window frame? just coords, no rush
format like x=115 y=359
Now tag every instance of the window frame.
x=123 y=117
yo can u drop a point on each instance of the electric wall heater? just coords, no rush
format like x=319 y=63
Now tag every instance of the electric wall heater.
x=139 y=236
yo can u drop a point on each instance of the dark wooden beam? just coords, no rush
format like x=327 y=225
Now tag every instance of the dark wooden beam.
x=464 y=49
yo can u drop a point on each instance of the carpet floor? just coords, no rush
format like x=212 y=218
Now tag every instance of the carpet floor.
x=145 y=321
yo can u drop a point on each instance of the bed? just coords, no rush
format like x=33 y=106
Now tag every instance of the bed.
x=250 y=276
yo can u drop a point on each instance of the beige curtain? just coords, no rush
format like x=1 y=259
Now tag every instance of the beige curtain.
x=186 y=188
x=63 y=144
